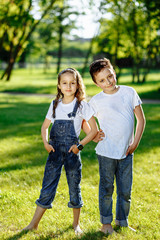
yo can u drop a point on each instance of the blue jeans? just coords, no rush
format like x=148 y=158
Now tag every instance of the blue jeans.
x=72 y=165
x=62 y=137
x=122 y=170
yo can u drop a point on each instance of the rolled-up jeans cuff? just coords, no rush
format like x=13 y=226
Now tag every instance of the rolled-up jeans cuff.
x=70 y=205
x=106 y=220
x=122 y=223
x=43 y=206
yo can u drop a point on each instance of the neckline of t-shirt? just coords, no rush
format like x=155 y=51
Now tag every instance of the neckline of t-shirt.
x=67 y=104
x=116 y=93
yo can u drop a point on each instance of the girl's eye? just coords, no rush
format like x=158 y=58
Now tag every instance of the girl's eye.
x=73 y=83
x=110 y=76
x=102 y=81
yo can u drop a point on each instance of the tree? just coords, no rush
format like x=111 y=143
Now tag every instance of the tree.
x=17 y=25
x=130 y=31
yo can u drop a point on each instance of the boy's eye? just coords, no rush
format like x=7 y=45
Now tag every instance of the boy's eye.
x=110 y=76
x=102 y=81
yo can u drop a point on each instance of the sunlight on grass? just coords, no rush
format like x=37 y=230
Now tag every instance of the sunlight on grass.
x=32 y=80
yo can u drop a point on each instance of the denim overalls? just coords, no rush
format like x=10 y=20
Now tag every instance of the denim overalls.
x=62 y=137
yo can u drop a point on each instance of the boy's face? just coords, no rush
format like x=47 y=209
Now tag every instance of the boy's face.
x=106 y=80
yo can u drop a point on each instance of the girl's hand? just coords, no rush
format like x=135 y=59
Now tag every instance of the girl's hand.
x=49 y=147
x=74 y=149
x=99 y=137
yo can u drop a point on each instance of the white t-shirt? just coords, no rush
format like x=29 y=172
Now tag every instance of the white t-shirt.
x=116 y=118
x=84 y=111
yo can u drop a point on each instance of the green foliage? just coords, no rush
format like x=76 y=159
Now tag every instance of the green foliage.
x=130 y=29
x=21 y=171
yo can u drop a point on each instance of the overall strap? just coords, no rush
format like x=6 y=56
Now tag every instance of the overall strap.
x=73 y=114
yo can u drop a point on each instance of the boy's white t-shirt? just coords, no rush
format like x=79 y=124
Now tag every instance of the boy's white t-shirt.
x=84 y=111
x=116 y=118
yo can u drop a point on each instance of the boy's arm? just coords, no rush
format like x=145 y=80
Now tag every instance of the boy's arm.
x=44 y=134
x=90 y=135
x=86 y=128
x=138 y=111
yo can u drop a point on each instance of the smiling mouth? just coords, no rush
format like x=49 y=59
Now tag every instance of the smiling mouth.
x=110 y=86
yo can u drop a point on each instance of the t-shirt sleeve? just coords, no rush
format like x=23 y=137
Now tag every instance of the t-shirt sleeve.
x=50 y=111
x=93 y=105
x=86 y=111
x=136 y=99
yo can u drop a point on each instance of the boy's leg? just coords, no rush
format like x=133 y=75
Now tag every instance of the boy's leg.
x=124 y=187
x=36 y=219
x=107 y=168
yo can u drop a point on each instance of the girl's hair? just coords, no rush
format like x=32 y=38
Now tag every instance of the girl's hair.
x=80 y=92
x=98 y=65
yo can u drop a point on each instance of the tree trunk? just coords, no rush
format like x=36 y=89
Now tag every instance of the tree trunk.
x=86 y=58
x=14 y=52
x=59 y=49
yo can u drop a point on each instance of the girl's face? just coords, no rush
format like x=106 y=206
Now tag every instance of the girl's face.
x=68 y=84
x=106 y=80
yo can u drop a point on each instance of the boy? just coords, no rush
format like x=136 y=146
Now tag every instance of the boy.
x=115 y=108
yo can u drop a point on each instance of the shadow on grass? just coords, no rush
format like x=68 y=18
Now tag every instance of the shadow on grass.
x=94 y=235
x=17 y=235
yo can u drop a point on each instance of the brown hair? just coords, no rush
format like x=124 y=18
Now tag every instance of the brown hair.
x=80 y=92
x=98 y=65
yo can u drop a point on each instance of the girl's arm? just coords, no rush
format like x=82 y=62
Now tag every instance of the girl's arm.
x=90 y=135
x=86 y=128
x=44 y=134
x=138 y=111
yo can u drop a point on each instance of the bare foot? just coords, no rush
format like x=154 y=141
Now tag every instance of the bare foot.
x=29 y=227
x=77 y=230
x=107 y=228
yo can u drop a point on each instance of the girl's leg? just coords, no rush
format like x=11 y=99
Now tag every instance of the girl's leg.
x=73 y=173
x=36 y=219
x=76 y=215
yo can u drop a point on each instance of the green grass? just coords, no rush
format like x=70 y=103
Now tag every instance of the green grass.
x=22 y=161
x=33 y=80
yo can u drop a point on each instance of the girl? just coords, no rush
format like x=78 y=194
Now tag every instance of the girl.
x=66 y=113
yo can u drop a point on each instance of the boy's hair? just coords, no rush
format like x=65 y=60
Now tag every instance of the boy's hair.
x=79 y=94
x=98 y=65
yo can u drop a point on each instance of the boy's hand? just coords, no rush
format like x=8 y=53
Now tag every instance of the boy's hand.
x=99 y=137
x=131 y=149
x=49 y=147
x=74 y=149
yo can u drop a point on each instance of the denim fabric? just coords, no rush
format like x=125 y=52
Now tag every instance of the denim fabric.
x=62 y=137
x=122 y=170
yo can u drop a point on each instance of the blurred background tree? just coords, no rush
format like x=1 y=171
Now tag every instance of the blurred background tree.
x=17 y=25
x=128 y=33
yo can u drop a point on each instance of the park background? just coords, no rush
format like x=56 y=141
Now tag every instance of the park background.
x=38 y=38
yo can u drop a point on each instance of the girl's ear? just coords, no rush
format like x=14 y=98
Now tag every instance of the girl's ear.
x=59 y=86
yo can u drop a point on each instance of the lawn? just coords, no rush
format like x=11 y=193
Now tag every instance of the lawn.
x=22 y=161
x=35 y=80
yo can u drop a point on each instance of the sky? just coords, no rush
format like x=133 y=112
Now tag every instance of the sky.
x=88 y=23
